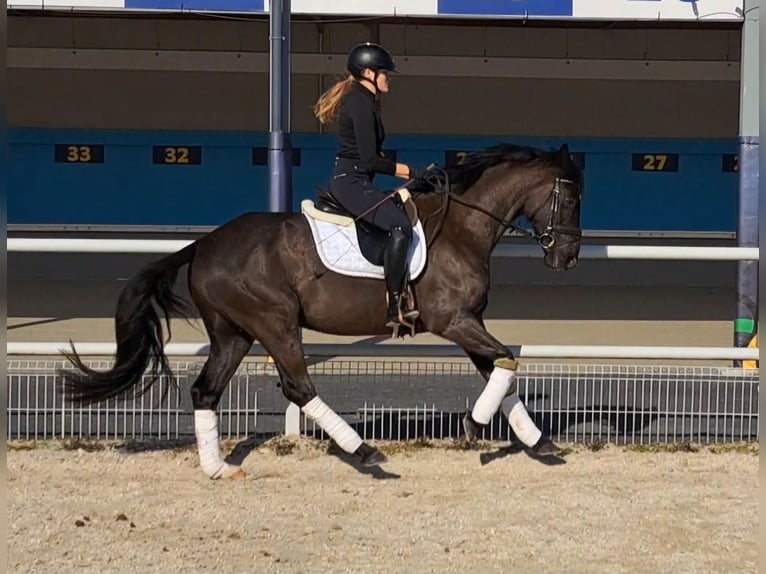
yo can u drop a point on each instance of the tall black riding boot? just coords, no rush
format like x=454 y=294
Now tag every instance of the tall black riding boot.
x=395 y=267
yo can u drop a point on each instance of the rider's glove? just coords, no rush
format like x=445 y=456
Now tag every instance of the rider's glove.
x=418 y=173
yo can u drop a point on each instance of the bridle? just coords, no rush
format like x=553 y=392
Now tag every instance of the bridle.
x=545 y=238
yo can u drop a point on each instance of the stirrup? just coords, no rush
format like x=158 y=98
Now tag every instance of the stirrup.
x=406 y=318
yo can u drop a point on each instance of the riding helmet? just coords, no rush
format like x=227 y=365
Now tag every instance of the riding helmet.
x=369 y=55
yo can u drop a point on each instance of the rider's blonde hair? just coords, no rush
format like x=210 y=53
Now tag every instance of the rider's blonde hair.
x=326 y=107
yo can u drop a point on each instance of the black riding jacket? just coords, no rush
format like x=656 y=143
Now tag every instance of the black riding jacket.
x=361 y=133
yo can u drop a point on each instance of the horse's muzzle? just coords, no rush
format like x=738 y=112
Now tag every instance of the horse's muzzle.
x=560 y=261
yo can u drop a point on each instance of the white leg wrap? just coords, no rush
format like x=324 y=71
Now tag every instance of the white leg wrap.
x=520 y=421
x=340 y=431
x=210 y=459
x=489 y=401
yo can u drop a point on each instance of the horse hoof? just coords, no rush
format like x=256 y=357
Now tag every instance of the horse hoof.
x=238 y=475
x=471 y=428
x=546 y=447
x=233 y=472
x=374 y=458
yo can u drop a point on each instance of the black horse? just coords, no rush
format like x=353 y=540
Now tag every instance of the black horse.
x=261 y=277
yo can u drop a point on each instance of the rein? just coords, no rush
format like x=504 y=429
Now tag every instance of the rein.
x=545 y=238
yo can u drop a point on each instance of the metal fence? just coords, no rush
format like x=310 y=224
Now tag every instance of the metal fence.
x=402 y=400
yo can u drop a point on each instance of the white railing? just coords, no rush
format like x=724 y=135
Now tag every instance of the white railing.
x=293 y=414
x=698 y=253
x=349 y=350
x=505 y=250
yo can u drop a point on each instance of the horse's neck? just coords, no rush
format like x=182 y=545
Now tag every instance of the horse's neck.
x=503 y=199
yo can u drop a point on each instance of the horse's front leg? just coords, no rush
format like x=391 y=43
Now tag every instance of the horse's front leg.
x=498 y=367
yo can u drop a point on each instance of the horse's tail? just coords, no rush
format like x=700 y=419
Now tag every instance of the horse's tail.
x=138 y=331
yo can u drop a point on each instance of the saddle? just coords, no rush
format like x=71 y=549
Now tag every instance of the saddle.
x=356 y=248
x=372 y=240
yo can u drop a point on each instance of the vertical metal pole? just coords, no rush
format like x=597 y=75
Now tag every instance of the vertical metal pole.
x=280 y=148
x=745 y=323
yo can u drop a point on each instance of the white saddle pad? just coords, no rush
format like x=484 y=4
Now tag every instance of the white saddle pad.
x=338 y=246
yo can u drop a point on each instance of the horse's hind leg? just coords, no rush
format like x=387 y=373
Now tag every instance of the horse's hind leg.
x=228 y=346
x=284 y=345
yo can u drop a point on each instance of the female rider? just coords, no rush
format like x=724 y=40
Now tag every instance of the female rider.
x=354 y=102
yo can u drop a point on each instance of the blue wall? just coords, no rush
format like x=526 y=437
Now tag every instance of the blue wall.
x=129 y=189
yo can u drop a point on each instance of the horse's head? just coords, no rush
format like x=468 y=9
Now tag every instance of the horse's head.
x=501 y=183
x=553 y=207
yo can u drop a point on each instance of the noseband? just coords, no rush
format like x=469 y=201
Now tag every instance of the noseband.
x=545 y=238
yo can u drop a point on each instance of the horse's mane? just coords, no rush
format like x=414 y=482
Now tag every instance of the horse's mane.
x=473 y=164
